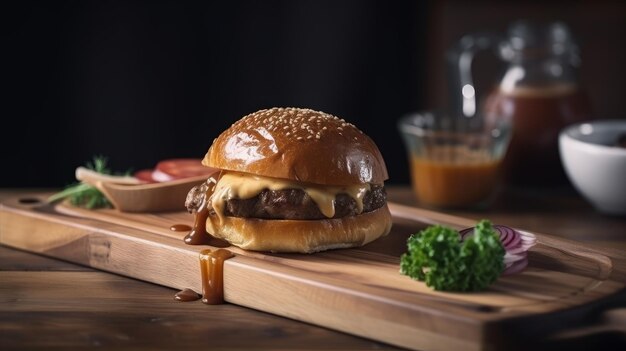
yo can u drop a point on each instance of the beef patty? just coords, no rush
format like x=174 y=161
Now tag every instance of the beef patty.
x=289 y=204
x=297 y=204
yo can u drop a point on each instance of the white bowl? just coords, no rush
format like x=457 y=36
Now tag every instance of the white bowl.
x=594 y=163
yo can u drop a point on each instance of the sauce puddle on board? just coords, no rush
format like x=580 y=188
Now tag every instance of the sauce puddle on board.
x=180 y=228
x=212 y=268
x=186 y=295
x=199 y=235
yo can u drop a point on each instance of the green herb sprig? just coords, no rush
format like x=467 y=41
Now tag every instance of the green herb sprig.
x=84 y=195
x=437 y=256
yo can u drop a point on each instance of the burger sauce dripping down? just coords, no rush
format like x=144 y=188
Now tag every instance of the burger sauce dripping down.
x=198 y=234
x=212 y=268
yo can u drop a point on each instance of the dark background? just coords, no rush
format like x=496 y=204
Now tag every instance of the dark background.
x=141 y=81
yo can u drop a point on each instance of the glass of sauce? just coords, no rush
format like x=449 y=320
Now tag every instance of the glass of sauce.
x=454 y=163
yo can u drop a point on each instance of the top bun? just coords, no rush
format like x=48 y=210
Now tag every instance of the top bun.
x=298 y=144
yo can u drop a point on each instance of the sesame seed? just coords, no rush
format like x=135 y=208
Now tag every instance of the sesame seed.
x=296 y=123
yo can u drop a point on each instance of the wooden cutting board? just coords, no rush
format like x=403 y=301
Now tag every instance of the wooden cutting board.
x=358 y=291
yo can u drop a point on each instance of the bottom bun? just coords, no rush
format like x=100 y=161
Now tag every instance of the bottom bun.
x=305 y=236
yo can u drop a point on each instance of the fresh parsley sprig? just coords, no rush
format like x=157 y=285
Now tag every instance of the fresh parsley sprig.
x=437 y=256
x=84 y=195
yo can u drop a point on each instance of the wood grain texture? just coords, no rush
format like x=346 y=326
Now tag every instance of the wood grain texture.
x=51 y=304
x=358 y=291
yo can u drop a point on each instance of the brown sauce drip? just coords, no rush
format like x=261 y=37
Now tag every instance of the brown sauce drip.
x=186 y=295
x=180 y=228
x=212 y=268
x=198 y=234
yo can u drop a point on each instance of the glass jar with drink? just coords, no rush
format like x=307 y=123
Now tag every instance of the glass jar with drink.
x=538 y=94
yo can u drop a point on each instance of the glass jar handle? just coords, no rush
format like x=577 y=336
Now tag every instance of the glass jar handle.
x=460 y=58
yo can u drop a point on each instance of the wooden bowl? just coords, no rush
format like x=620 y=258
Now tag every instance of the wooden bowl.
x=129 y=194
x=153 y=197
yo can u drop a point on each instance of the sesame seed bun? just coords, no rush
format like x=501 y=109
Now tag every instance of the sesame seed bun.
x=298 y=144
x=302 y=236
x=292 y=149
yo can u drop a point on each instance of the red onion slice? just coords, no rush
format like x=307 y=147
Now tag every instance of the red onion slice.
x=515 y=243
x=516 y=267
x=465 y=232
x=509 y=258
x=509 y=236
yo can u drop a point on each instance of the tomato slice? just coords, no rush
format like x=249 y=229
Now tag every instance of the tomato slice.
x=173 y=169
x=145 y=175
x=181 y=168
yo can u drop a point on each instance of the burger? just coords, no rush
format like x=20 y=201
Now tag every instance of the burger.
x=293 y=180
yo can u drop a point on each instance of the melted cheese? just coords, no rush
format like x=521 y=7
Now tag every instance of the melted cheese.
x=245 y=186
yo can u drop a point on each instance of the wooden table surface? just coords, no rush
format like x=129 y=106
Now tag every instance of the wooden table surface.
x=47 y=303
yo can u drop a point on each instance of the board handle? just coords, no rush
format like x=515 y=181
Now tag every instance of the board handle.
x=611 y=263
x=608 y=328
